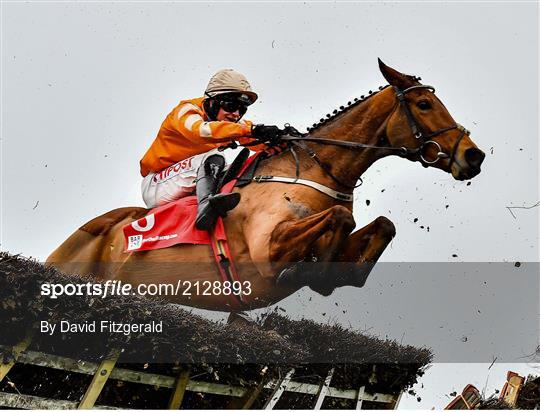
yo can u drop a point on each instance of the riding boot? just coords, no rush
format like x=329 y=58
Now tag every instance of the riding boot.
x=212 y=205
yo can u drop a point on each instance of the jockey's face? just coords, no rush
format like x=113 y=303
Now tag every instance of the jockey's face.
x=228 y=117
x=232 y=106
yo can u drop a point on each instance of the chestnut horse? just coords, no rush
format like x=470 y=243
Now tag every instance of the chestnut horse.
x=278 y=225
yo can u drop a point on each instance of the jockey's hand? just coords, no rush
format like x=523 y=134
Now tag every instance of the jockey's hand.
x=267 y=134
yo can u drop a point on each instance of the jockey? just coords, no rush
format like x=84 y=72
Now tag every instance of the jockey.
x=184 y=156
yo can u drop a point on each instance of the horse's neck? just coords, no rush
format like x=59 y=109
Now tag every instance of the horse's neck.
x=365 y=123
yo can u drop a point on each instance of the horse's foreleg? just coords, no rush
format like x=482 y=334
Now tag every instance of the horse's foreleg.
x=293 y=240
x=361 y=251
x=318 y=237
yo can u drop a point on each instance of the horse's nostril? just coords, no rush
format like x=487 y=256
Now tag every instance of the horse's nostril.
x=474 y=157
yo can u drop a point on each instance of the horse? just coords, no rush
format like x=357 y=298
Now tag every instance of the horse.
x=298 y=210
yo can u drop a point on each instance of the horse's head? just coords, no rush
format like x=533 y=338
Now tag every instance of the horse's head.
x=422 y=125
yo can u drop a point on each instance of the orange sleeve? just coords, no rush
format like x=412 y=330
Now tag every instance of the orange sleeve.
x=188 y=120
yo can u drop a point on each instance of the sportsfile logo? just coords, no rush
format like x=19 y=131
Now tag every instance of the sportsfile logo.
x=119 y=288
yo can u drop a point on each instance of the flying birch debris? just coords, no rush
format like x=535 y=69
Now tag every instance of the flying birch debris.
x=492 y=363
x=521 y=207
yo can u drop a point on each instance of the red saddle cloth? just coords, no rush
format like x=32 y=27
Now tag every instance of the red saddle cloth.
x=169 y=225
x=173 y=224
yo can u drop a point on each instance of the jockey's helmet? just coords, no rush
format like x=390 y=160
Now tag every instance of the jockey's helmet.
x=229 y=81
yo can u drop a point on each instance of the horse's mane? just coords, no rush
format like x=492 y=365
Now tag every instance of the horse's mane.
x=350 y=104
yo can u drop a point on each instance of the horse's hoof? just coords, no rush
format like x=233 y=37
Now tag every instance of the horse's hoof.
x=359 y=274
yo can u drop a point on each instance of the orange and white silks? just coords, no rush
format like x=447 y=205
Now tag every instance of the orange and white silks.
x=187 y=132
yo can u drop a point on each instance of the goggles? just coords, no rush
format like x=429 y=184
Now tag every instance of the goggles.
x=233 y=102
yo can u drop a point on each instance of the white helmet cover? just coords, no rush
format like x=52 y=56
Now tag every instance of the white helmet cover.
x=229 y=81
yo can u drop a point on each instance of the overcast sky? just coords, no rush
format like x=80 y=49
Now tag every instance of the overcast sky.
x=85 y=87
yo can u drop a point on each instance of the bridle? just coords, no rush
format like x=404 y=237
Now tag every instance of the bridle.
x=424 y=139
x=427 y=139
x=299 y=140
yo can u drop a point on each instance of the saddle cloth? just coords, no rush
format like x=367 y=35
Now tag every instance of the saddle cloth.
x=174 y=223
x=169 y=225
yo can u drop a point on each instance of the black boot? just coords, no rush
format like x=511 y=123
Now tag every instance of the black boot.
x=211 y=205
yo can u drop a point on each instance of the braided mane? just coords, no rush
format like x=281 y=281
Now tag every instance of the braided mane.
x=350 y=104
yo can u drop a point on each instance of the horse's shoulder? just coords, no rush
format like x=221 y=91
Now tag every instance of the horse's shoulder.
x=101 y=225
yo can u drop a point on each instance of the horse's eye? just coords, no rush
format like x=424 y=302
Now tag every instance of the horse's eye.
x=423 y=105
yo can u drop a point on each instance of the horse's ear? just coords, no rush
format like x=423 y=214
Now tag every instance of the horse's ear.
x=395 y=78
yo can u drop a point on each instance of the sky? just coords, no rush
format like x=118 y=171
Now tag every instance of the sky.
x=85 y=86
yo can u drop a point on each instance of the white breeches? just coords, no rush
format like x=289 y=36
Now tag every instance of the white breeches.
x=174 y=182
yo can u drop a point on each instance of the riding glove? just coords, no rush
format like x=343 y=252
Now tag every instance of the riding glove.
x=269 y=134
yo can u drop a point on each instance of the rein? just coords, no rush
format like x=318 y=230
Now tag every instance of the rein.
x=415 y=129
x=298 y=139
